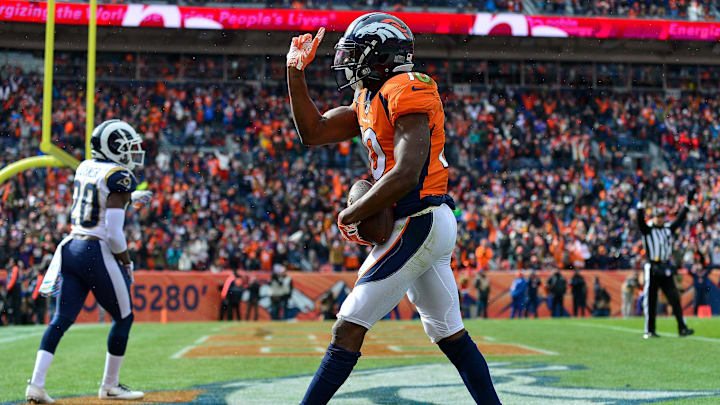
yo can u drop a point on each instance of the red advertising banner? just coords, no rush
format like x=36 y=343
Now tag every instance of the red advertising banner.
x=593 y=27
x=169 y=16
x=484 y=24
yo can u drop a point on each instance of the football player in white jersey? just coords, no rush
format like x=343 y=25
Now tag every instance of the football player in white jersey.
x=94 y=256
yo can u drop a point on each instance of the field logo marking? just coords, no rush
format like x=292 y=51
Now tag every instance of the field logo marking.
x=430 y=384
x=517 y=383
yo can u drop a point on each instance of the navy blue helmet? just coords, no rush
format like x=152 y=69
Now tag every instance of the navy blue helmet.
x=374 y=48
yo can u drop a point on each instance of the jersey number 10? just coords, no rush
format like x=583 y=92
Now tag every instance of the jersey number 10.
x=376 y=155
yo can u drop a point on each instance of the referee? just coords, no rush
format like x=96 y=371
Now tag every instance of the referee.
x=658 y=240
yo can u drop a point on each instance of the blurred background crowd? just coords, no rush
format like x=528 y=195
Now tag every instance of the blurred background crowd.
x=546 y=159
x=543 y=177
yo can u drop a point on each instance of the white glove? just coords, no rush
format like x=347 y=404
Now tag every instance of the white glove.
x=129 y=268
x=303 y=48
x=140 y=198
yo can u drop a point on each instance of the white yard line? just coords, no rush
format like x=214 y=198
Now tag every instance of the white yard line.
x=12 y=330
x=19 y=337
x=182 y=352
x=201 y=339
x=640 y=331
x=543 y=351
x=41 y=330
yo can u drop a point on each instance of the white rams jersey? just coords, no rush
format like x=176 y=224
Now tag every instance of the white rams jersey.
x=94 y=181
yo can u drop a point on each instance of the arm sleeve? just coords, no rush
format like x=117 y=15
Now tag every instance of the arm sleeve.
x=120 y=180
x=644 y=228
x=680 y=220
x=414 y=97
x=114 y=222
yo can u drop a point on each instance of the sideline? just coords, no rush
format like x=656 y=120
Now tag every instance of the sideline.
x=639 y=332
x=42 y=330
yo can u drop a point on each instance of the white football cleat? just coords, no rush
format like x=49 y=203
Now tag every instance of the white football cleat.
x=37 y=395
x=119 y=392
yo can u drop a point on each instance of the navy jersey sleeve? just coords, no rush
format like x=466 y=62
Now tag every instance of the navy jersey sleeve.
x=120 y=180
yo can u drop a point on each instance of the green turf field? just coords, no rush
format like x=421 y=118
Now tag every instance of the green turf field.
x=544 y=361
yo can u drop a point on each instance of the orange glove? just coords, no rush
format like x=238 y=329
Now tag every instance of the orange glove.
x=350 y=233
x=302 y=49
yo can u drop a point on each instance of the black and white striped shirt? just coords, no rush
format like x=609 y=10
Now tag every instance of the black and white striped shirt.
x=658 y=240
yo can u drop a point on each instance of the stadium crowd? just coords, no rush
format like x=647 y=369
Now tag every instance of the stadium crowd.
x=541 y=177
x=692 y=10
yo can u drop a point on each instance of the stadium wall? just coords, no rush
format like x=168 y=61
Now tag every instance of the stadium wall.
x=195 y=296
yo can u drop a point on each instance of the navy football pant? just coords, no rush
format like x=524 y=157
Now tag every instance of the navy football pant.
x=89 y=265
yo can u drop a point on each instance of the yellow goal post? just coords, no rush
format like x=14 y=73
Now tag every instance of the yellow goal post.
x=53 y=155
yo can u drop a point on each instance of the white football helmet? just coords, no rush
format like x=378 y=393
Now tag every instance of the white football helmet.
x=117 y=141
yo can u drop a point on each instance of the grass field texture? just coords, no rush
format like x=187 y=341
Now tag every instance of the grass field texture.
x=588 y=360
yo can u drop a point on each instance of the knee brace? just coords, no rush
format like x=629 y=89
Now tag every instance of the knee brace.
x=118 y=337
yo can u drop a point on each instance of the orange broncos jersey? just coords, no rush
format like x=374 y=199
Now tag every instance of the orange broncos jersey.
x=405 y=93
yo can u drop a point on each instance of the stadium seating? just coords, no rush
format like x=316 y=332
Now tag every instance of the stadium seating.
x=543 y=169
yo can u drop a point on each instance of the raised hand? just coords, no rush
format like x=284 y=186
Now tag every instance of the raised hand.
x=303 y=48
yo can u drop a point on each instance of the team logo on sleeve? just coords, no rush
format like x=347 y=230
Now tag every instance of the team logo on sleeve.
x=125 y=182
x=385 y=29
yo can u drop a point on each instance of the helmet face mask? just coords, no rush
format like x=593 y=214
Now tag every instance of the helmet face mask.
x=375 y=46
x=117 y=141
x=348 y=66
x=133 y=153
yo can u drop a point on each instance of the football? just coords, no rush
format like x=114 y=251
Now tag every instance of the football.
x=377 y=228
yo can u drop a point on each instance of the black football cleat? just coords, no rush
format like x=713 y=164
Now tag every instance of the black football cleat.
x=686 y=332
x=650 y=335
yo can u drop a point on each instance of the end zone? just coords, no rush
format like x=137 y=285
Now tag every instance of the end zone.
x=302 y=340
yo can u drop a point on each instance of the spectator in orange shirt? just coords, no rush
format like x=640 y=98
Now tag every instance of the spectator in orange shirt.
x=352 y=258
x=483 y=255
x=266 y=260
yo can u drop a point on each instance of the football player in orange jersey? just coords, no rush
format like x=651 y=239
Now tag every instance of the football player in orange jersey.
x=399 y=115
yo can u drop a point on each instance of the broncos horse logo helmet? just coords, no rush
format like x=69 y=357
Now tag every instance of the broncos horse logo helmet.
x=375 y=47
